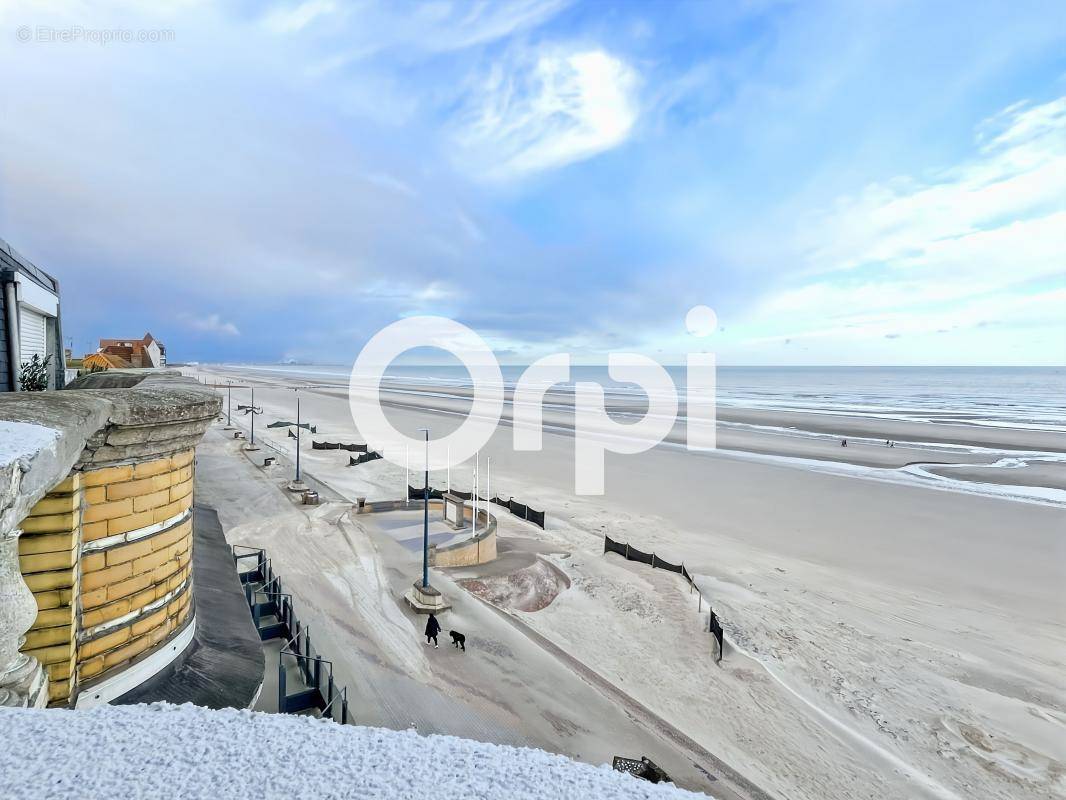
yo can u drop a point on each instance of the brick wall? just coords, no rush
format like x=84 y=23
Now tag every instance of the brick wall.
x=107 y=555
x=48 y=556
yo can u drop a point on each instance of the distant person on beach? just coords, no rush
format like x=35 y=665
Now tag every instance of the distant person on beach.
x=843 y=442
x=432 y=629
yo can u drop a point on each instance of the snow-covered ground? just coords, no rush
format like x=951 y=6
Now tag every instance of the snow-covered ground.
x=152 y=751
x=347 y=579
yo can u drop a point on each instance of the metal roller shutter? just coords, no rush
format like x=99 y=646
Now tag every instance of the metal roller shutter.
x=32 y=336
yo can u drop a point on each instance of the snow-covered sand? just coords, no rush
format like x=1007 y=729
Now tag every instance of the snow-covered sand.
x=898 y=638
x=347 y=574
x=194 y=753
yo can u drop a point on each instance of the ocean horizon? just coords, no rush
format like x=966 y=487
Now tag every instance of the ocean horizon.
x=1007 y=395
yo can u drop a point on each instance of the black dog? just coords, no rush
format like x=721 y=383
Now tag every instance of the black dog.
x=458 y=639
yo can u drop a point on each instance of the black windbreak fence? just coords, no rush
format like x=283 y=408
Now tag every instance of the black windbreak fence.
x=307 y=426
x=418 y=493
x=631 y=553
x=518 y=509
x=373 y=455
x=351 y=448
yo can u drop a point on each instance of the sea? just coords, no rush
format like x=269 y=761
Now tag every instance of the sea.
x=1021 y=397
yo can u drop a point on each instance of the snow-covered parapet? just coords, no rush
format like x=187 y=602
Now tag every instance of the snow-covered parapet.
x=200 y=754
x=22 y=681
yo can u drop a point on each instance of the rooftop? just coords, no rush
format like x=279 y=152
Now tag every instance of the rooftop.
x=10 y=258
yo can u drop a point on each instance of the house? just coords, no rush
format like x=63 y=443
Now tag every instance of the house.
x=29 y=319
x=97 y=361
x=143 y=353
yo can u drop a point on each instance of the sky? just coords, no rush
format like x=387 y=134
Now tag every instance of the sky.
x=843 y=183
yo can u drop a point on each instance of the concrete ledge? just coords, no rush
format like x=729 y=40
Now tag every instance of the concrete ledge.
x=102 y=418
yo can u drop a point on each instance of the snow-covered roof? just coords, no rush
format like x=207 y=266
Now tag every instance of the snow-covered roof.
x=160 y=750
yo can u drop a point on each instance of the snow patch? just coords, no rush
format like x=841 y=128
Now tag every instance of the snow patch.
x=20 y=440
x=161 y=750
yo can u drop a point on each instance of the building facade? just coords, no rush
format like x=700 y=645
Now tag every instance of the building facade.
x=29 y=319
x=144 y=353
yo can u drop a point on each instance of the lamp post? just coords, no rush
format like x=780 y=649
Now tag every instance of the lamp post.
x=423 y=597
x=425 y=518
x=253 y=411
x=297 y=485
x=297 y=436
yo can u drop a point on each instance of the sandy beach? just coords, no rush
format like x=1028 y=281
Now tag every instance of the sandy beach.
x=894 y=616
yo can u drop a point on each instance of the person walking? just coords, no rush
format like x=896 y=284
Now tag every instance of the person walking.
x=432 y=629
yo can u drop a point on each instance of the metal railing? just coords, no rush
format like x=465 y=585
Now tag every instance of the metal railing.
x=265 y=598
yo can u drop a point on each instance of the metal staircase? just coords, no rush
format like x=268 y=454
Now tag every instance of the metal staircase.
x=305 y=683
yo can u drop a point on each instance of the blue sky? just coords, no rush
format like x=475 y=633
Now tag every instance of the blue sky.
x=844 y=183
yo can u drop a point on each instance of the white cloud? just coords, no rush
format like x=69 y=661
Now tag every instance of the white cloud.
x=408 y=29
x=1041 y=309
x=390 y=182
x=211 y=323
x=1018 y=175
x=914 y=254
x=556 y=110
x=472 y=229
x=293 y=18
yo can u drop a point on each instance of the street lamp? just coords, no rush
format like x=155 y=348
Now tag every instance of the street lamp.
x=253 y=411
x=425 y=517
x=297 y=435
x=421 y=596
x=297 y=485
